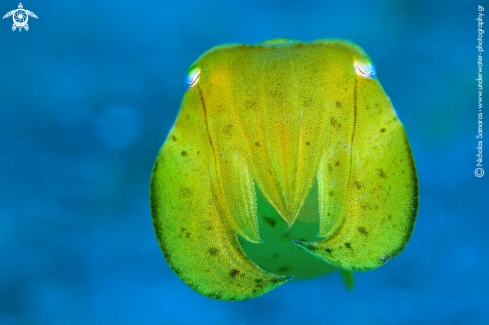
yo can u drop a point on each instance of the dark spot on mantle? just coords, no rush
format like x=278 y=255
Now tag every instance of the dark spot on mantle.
x=335 y=123
x=363 y=231
x=308 y=143
x=233 y=273
x=216 y=296
x=283 y=269
x=348 y=245
x=185 y=191
x=381 y=173
x=257 y=143
x=174 y=138
x=228 y=130
x=184 y=153
x=382 y=130
x=213 y=251
x=259 y=283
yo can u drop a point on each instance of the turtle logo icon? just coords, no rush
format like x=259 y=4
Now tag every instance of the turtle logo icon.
x=20 y=17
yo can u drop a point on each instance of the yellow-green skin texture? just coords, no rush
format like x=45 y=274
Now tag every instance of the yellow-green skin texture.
x=282 y=142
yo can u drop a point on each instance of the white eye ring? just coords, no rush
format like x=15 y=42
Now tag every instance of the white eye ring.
x=193 y=77
x=365 y=70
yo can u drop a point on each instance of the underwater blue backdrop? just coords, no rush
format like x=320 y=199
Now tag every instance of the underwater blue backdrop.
x=87 y=97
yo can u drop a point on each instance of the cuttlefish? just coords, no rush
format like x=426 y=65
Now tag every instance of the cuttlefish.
x=287 y=160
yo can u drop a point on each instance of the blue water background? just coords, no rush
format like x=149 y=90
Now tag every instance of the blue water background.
x=87 y=97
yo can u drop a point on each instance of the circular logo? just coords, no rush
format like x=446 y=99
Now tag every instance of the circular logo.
x=20 y=18
x=479 y=172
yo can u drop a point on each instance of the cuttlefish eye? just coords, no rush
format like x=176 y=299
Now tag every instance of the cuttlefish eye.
x=193 y=77
x=365 y=70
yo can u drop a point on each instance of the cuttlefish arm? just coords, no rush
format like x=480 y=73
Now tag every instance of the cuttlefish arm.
x=193 y=231
x=378 y=204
